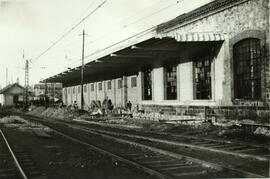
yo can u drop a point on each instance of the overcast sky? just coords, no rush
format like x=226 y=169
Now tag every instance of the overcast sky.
x=34 y=25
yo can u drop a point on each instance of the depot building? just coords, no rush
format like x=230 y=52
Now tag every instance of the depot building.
x=215 y=55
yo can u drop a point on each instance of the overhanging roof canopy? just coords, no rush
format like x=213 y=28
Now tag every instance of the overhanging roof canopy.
x=129 y=54
x=125 y=61
x=192 y=36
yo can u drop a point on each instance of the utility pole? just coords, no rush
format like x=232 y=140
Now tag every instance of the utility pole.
x=45 y=93
x=82 y=69
x=26 y=84
x=53 y=92
x=6 y=76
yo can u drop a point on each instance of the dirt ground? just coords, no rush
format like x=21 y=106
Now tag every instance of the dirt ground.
x=223 y=129
x=61 y=158
x=230 y=131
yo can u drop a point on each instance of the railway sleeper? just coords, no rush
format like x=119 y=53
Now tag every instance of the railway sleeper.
x=11 y=176
x=181 y=167
x=178 y=163
x=158 y=161
x=186 y=174
x=147 y=157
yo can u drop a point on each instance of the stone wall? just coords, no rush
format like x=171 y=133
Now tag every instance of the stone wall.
x=245 y=16
x=261 y=114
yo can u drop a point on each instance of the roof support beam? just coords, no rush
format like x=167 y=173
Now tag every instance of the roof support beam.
x=130 y=56
x=154 y=49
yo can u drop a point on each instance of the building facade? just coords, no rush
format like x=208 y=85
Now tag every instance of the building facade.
x=11 y=95
x=216 y=55
x=53 y=90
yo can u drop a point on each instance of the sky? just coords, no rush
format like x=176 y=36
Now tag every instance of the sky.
x=30 y=27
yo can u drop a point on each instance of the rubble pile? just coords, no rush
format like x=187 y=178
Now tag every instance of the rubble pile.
x=262 y=131
x=59 y=113
x=12 y=119
x=21 y=124
x=36 y=110
x=156 y=116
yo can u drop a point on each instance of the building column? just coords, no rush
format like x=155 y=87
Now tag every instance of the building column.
x=140 y=88
x=218 y=76
x=124 y=91
x=186 y=81
x=158 y=84
x=96 y=90
x=104 y=88
x=114 y=91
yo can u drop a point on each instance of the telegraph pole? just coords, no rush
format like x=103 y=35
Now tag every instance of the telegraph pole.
x=82 y=69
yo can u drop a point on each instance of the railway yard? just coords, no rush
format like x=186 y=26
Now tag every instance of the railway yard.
x=99 y=89
x=38 y=147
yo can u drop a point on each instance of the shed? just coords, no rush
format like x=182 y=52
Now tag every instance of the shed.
x=11 y=95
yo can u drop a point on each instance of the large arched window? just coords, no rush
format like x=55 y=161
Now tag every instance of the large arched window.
x=247 y=69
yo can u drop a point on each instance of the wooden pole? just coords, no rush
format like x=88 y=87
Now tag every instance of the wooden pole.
x=82 y=70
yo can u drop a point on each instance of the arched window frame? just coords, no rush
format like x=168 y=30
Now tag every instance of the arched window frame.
x=247 y=69
x=257 y=34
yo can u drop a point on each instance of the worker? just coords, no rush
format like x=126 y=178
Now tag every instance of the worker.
x=129 y=105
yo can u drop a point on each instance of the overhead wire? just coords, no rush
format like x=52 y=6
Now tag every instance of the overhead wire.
x=69 y=31
x=108 y=34
x=124 y=19
x=112 y=32
x=125 y=26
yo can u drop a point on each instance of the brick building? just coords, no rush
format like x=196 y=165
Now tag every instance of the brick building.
x=216 y=56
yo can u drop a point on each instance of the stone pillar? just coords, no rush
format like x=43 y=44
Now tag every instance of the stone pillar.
x=114 y=91
x=158 y=84
x=96 y=90
x=186 y=81
x=105 y=89
x=218 y=75
x=124 y=91
x=140 y=88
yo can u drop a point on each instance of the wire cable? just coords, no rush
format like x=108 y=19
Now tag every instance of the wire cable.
x=70 y=30
x=125 y=26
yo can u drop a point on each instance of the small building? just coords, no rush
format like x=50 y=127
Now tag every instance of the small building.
x=11 y=95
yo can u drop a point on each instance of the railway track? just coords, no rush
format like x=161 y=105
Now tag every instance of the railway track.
x=155 y=161
x=260 y=153
x=16 y=162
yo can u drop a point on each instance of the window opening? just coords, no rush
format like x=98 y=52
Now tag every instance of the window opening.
x=203 y=77
x=133 y=82
x=147 y=81
x=247 y=69
x=120 y=84
x=92 y=87
x=170 y=81
x=109 y=85
x=100 y=86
